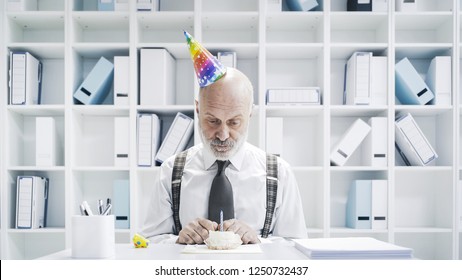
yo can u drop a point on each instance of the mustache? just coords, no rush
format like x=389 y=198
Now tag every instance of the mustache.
x=218 y=142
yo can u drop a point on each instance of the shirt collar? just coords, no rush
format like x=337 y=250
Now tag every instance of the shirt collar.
x=236 y=160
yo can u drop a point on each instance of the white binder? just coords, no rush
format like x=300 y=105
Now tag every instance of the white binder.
x=349 y=142
x=46 y=142
x=148 y=137
x=293 y=96
x=157 y=77
x=121 y=80
x=228 y=59
x=359 y=205
x=177 y=137
x=379 y=80
x=379 y=5
x=275 y=136
x=31 y=202
x=358 y=74
x=21 y=5
x=121 y=141
x=25 y=79
x=147 y=5
x=406 y=5
x=379 y=204
x=410 y=88
x=121 y=5
x=374 y=148
x=412 y=143
x=121 y=202
x=438 y=79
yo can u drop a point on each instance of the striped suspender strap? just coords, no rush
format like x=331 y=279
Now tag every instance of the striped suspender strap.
x=271 y=191
x=177 y=173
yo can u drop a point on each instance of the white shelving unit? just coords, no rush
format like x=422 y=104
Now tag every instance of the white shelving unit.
x=275 y=49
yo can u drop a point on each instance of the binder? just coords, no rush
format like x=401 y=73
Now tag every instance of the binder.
x=97 y=84
x=148 y=137
x=359 y=5
x=293 y=96
x=121 y=80
x=374 y=148
x=406 y=5
x=31 y=202
x=379 y=80
x=410 y=88
x=357 y=87
x=301 y=5
x=275 y=136
x=411 y=143
x=46 y=142
x=121 y=5
x=380 y=5
x=228 y=59
x=157 y=77
x=121 y=203
x=274 y=6
x=106 y=5
x=147 y=5
x=121 y=141
x=25 y=82
x=177 y=137
x=21 y=5
x=439 y=80
x=379 y=204
x=349 y=142
x=359 y=205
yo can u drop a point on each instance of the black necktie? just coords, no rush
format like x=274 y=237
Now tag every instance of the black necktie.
x=221 y=195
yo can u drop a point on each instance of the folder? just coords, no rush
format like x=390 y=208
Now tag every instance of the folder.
x=121 y=5
x=106 y=5
x=359 y=205
x=410 y=88
x=228 y=59
x=97 y=84
x=274 y=6
x=25 y=82
x=157 y=77
x=148 y=137
x=121 y=203
x=379 y=80
x=121 y=80
x=31 y=202
x=177 y=137
x=21 y=5
x=411 y=143
x=359 y=5
x=374 y=148
x=275 y=136
x=147 y=5
x=406 y=5
x=46 y=142
x=357 y=86
x=439 y=80
x=349 y=142
x=379 y=204
x=380 y=5
x=301 y=5
x=293 y=96
x=121 y=141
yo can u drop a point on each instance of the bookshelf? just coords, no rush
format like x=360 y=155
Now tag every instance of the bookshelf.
x=275 y=49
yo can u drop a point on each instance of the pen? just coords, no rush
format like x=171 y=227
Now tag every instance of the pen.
x=82 y=210
x=107 y=210
x=221 y=220
x=108 y=201
x=100 y=206
x=87 y=208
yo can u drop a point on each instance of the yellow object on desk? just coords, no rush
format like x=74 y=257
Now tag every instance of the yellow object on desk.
x=139 y=241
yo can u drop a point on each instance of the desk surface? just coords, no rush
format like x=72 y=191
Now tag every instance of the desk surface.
x=271 y=251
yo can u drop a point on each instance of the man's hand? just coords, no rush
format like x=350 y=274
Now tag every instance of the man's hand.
x=196 y=231
x=247 y=234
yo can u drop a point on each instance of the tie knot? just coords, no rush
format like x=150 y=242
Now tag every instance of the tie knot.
x=222 y=164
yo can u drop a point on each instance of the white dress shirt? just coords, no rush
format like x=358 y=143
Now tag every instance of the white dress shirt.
x=247 y=174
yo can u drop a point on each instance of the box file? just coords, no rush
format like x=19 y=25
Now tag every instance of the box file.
x=121 y=80
x=228 y=59
x=301 y=5
x=46 y=142
x=275 y=136
x=121 y=141
x=411 y=143
x=379 y=204
x=177 y=137
x=357 y=87
x=359 y=205
x=439 y=80
x=374 y=148
x=106 y=5
x=25 y=81
x=21 y=5
x=121 y=203
x=379 y=80
x=31 y=202
x=359 y=5
x=148 y=137
x=349 y=142
x=410 y=88
x=121 y=5
x=157 y=77
x=97 y=84
x=406 y=5
x=274 y=6
x=379 y=5
x=147 y=5
x=293 y=96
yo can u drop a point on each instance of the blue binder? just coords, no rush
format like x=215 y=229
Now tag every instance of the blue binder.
x=97 y=84
x=106 y=5
x=356 y=5
x=410 y=88
x=302 y=5
x=121 y=203
x=359 y=205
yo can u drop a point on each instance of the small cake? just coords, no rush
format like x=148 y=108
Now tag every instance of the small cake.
x=223 y=240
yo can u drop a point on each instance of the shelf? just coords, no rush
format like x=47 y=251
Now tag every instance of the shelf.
x=164 y=27
x=101 y=110
x=37 y=168
x=358 y=110
x=37 y=110
x=33 y=27
x=294 y=111
x=217 y=28
x=345 y=50
x=357 y=231
x=359 y=27
x=42 y=50
x=36 y=231
x=294 y=27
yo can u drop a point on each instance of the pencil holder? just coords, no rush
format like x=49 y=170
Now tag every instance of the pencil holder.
x=93 y=237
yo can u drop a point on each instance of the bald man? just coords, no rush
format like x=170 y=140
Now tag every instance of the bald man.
x=224 y=109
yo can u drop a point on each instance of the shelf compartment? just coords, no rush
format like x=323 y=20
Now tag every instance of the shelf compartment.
x=341 y=6
x=32 y=245
x=349 y=27
x=312 y=188
x=424 y=28
x=230 y=6
x=216 y=27
x=33 y=27
x=433 y=6
x=37 y=110
x=42 y=50
x=295 y=27
x=176 y=5
x=358 y=111
x=48 y=5
x=144 y=194
x=164 y=27
x=427 y=246
x=100 y=27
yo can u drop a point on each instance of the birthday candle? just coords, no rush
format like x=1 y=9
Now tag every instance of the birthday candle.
x=221 y=220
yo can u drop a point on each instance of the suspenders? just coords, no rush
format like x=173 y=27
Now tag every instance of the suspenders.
x=271 y=190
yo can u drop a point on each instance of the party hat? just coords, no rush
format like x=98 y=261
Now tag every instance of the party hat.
x=208 y=68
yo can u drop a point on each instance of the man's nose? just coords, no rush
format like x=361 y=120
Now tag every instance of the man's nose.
x=222 y=133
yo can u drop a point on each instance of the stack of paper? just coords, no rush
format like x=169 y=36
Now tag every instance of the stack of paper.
x=351 y=248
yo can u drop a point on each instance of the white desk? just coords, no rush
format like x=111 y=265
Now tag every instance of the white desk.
x=271 y=251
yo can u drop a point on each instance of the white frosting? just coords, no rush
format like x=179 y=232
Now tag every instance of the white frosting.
x=223 y=240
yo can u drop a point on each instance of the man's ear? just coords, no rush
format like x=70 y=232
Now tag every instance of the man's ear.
x=197 y=106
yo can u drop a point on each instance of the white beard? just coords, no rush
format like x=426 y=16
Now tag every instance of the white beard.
x=235 y=146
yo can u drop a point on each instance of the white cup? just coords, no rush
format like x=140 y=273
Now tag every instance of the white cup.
x=93 y=237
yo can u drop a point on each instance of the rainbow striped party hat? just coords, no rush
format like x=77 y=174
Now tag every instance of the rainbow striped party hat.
x=208 y=68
